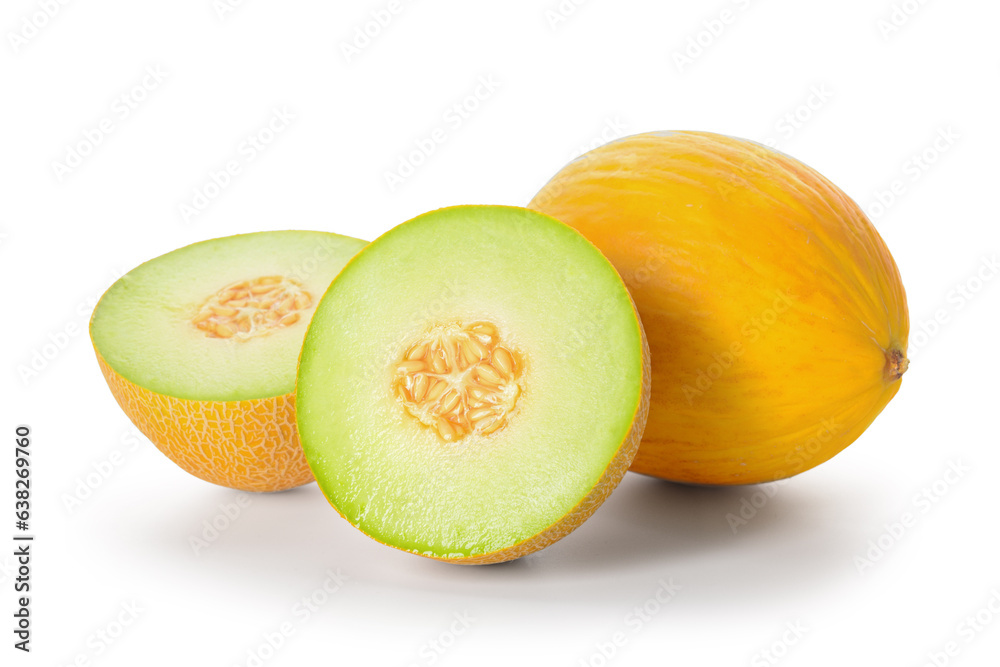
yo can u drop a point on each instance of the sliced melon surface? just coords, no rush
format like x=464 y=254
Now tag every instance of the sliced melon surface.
x=473 y=384
x=143 y=325
x=199 y=348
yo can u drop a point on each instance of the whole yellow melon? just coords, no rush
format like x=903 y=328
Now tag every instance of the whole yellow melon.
x=775 y=315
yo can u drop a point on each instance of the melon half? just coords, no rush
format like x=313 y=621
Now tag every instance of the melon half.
x=199 y=348
x=473 y=385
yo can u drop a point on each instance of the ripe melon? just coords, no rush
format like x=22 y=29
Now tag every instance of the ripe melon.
x=199 y=347
x=776 y=316
x=473 y=385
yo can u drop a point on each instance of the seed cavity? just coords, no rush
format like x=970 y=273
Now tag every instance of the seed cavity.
x=251 y=308
x=458 y=380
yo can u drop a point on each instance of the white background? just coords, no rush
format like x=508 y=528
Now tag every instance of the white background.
x=867 y=100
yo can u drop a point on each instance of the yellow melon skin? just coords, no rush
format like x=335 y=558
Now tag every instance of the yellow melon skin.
x=249 y=445
x=776 y=317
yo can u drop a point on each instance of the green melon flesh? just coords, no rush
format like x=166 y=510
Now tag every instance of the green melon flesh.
x=553 y=296
x=142 y=325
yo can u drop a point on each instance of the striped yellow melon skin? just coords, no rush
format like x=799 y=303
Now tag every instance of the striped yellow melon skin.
x=776 y=316
x=250 y=445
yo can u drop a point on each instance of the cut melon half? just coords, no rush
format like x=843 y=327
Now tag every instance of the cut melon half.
x=199 y=347
x=473 y=384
